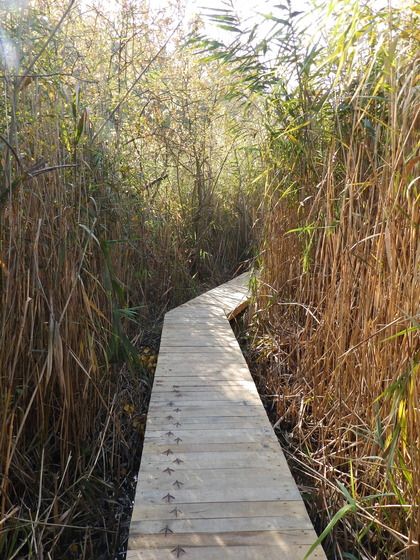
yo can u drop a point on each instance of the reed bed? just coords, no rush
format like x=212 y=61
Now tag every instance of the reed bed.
x=98 y=238
x=337 y=322
x=122 y=197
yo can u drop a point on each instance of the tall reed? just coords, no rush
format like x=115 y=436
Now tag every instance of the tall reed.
x=340 y=291
x=98 y=237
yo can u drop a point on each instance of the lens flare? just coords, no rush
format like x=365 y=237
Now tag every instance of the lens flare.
x=9 y=56
x=14 y=4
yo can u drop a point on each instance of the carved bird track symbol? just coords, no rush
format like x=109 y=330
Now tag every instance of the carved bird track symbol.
x=178 y=551
x=166 y=530
x=168 y=498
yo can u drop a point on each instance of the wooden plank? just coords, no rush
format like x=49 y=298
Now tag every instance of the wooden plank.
x=203 y=343
x=286 y=551
x=210 y=435
x=240 y=386
x=204 y=399
x=284 y=521
x=219 y=329
x=193 y=364
x=200 y=480
x=198 y=312
x=181 y=398
x=204 y=423
x=232 y=459
x=219 y=493
x=212 y=510
x=234 y=409
x=215 y=373
x=205 y=389
x=186 y=332
x=174 y=402
x=206 y=447
x=203 y=360
x=203 y=383
x=206 y=353
x=194 y=367
x=217 y=326
x=282 y=539
x=203 y=386
x=183 y=321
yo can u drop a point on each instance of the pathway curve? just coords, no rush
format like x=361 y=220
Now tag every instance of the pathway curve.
x=213 y=482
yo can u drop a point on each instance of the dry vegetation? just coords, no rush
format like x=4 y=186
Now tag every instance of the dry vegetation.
x=337 y=326
x=133 y=174
x=119 y=198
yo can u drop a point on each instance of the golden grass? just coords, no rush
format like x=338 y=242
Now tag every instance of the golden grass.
x=339 y=301
x=91 y=256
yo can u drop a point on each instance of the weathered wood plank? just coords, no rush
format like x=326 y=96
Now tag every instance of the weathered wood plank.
x=194 y=364
x=187 y=408
x=214 y=375
x=204 y=361
x=198 y=479
x=204 y=384
x=219 y=494
x=175 y=435
x=211 y=460
x=205 y=423
x=204 y=391
x=203 y=446
x=282 y=539
x=205 y=352
x=208 y=399
x=285 y=552
x=218 y=395
x=283 y=521
x=156 y=512
x=203 y=340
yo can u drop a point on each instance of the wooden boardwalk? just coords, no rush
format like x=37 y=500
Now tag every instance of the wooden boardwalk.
x=213 y=483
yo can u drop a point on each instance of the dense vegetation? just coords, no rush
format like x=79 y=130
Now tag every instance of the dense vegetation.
x=142 y=162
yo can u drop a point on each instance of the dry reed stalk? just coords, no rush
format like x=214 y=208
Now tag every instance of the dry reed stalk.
x=89 y=261
x=348 y=371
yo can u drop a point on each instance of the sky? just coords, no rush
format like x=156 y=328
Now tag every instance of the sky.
x=247 y=10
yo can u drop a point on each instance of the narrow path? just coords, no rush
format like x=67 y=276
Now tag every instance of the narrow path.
x=213 y=483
